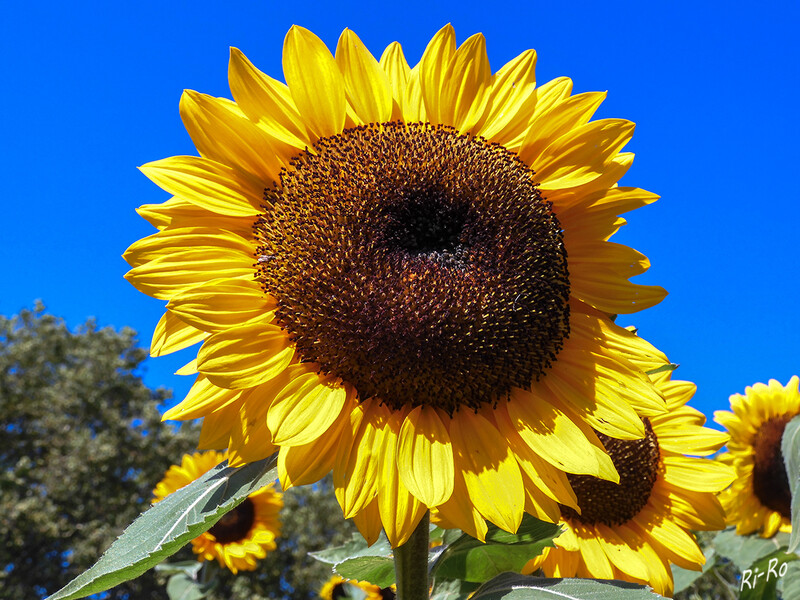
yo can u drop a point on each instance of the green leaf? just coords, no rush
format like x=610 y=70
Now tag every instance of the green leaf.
x=790 y=447
x=683 y=578
x=668 y=367
x=189 y=567
x=378 y=570
x=469 y=559
x=184 y=587
x=452 y=589
x=356 y=547
x=164 y=528
x=789 y=584
x=510 y=586
x=744 y=550
x=760 y=580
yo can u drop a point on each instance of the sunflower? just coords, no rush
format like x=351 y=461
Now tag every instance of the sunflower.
x=243 y=535
x=404 y=276
x=760 y=498
x=634 y=529
x=337 y=588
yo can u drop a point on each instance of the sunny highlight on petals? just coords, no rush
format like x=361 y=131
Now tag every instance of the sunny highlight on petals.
x=403 y=275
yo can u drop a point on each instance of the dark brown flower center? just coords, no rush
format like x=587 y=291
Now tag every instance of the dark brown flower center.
x=235 y=524
x=601 y=501
x=420 y=265
x=770 y=481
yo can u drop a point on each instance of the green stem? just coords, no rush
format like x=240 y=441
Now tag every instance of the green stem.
x=411 y=564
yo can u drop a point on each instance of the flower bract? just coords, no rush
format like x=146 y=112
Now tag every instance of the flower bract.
x=403 y=275
x=243 y=535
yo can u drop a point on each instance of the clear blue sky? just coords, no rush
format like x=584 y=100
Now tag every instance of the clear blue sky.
x=90 y=91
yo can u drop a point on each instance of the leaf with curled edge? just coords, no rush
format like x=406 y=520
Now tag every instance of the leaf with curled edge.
x=168 y=525
x=790 y=448
x=511 y=586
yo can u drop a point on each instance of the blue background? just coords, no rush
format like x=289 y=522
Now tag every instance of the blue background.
x=90 y=91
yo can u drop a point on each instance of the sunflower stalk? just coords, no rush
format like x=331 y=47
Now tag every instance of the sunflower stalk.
x=411 y=564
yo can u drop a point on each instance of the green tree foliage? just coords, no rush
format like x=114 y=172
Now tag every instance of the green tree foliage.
x=81 y=448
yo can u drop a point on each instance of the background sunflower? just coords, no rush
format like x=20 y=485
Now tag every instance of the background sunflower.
x=634 y=530
x=337 y=588
x=760 y=497
x=243 y=535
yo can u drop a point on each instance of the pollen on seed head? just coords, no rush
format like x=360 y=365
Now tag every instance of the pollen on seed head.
x=601 y=501
x=420 y=265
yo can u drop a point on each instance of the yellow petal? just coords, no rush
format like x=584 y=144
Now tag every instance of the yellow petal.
x=217 y=426
x=595 y=211
x=221 y=132
x=400 y=511
x=246 y=355
x=660 y=576
x=512 y=88
x=302 y=465
x=305 y=409
x=266 y=101
x=623 y=556
x=250 y=440
x=606 y=290
x=315 y=81
x=433 y=68
x=581 y=155
x=172 y=334
x=180 y=270
x=222 y=303
x=459 y=513
x=490 y=472
x=464 y=92
x=693 y=510
x=621 y=259
x=189 y=368
x=561 y=118
x=550 y=480
x=355 y=469
x=178 y=212
x=698 y=474
x=413 y=104
x=574 y=381
x=393 y=62
x=175 y=239
x=368 y=522
x=538 y=504
x=612 y=173
x=668 y=534
x=425 y=456
x=203 y=398
x=593 y=556
x=555 y=437
x=691 y=439
x=367 y=88
x=208 y=184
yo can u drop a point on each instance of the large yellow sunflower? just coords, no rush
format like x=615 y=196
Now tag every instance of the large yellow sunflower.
x=243 y=535
x=403 y=275
x=634 y=529
x=760 y=498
